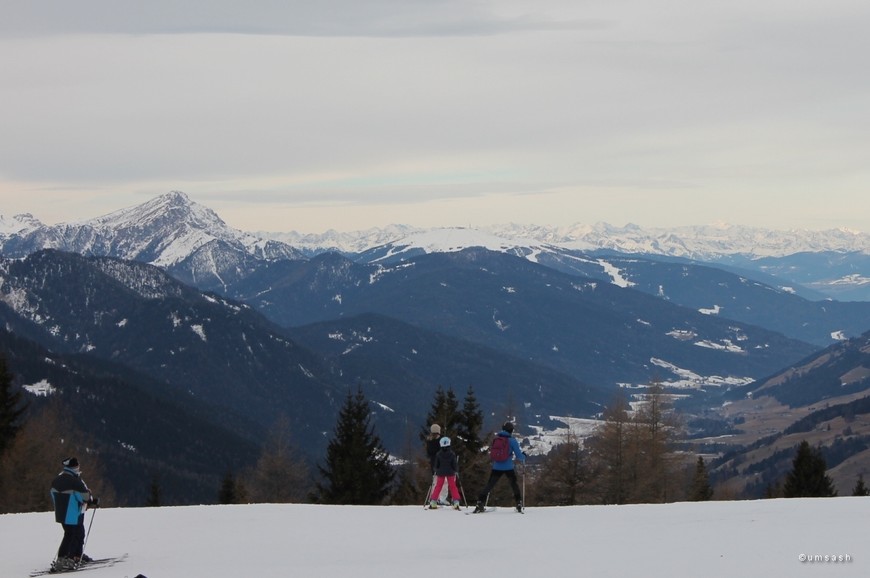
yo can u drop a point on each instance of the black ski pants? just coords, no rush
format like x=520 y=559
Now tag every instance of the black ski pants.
x=73 y=541
x=494 y=477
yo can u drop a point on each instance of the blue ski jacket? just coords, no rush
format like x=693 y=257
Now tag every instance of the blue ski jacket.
x=508 y=464
x=70 y=496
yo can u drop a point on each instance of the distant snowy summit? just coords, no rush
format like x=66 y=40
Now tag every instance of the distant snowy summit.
x=164 y=231
x=703 y=243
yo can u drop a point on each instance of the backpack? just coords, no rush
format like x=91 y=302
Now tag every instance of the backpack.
x=500 y=449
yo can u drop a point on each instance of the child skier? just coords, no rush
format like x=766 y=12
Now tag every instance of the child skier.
x=446 y=466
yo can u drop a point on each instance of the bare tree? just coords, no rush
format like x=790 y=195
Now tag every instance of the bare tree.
x=564 y=476
x=610 y=449
x=34 y=458
x=280 y=475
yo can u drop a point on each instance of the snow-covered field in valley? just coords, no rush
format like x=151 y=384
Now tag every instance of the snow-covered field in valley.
x=764 y=538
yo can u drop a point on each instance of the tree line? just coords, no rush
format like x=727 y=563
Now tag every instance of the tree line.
x=631 y=458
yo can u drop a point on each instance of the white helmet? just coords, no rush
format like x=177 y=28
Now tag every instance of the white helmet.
x=445 y=442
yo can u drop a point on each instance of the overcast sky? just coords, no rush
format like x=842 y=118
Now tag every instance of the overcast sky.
x=347 y=114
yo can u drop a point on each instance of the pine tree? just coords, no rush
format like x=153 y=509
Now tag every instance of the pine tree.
x=445 y=412
x=11 y=407
x=701 y=490
x=357 y=468
x=808 y=479
x=154 y=494
x=227 y=493
x=860 y=489
x=469 y=424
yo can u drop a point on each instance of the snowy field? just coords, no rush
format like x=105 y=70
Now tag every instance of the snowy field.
x=763 y=538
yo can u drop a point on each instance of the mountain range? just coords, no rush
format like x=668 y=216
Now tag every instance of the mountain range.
x=832 y=264
x=239 y=329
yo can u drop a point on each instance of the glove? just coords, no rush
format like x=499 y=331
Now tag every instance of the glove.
x=94 y=502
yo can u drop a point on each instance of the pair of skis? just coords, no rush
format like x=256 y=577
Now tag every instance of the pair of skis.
x=490 y=509
x=96 y=563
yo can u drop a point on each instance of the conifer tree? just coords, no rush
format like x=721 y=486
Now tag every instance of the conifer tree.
x=469 y=425
x=808 y=479
x=227 y=493
x=860 y=489
x=154 y=494
x=11 y=407
x=357 y=468
x=444 y=411
x=701 y=490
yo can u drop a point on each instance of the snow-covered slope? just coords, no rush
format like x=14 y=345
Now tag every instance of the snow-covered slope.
x=833 y=263
x=770 y=538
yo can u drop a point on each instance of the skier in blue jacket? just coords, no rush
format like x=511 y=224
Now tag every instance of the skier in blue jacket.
x=71 y=498
x=504 y=468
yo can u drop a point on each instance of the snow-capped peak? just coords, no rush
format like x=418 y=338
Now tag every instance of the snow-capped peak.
x=19 y=224
x=172 y=206
x=449 y=240
x=163 y=231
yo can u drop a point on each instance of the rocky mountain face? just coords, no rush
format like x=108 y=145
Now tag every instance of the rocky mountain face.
x=220 y=352
x=169 y=231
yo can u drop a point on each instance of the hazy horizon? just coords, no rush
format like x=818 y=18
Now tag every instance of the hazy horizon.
x=344 y=115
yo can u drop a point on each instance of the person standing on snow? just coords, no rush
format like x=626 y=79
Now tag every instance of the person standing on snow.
x=432 y=444
x=446 y=466
x=504 y=467
x=71 y=498
x=432 y=448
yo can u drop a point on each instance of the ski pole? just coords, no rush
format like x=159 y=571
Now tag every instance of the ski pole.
x=429 y=493
x=88 y=533
x=459 y=481
x=524 y=485
x=461 y=489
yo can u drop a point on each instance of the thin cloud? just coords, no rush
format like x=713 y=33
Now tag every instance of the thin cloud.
x=351 y=18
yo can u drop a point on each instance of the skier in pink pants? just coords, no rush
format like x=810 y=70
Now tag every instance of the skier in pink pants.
x=446 y=466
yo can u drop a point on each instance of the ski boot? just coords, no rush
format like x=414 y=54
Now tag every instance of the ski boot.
x=479 y=507
x=62 y=564
x=455 y=504
x=433 y=505
x=520 y=506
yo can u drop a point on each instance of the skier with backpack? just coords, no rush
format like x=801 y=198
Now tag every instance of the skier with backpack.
x=446 y=467
x=502 y=452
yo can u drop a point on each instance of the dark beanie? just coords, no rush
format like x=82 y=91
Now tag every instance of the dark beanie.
x=71 y=463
